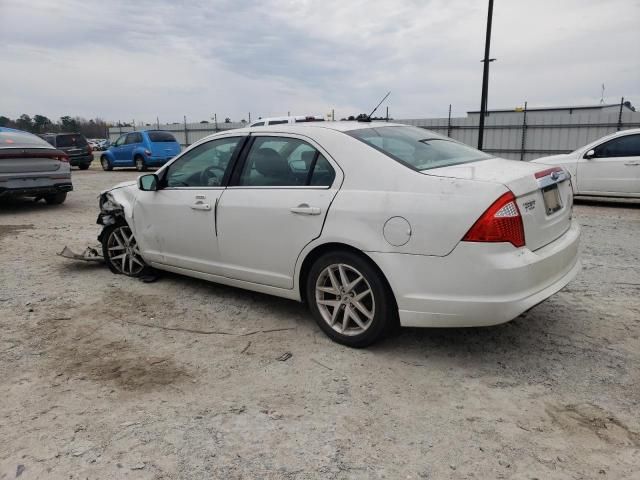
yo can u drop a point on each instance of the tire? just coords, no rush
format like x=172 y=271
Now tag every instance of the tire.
x=120 y=251
x=84 y=166
x=106 y=164
x=345 y=297
x=140 y=165
x=55 y=198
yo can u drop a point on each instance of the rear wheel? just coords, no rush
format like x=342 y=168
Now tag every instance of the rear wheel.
x=120 y=251
x=84 y=166
x=55 y=198
x=140 y=165
x=106 y=165
x=349 y=299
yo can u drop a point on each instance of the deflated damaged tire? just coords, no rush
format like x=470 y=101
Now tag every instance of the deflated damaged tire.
x=350 y=299
x=120 y=251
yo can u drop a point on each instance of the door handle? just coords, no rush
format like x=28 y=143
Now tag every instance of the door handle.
x=632 y=164
x=200 y=206
x=305 y=209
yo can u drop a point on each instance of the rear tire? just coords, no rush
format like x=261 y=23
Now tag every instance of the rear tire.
x=140 y=165
x=55 y=198
x=120 y=251
x=350 y=299
x=106 y=164
x=84 y=166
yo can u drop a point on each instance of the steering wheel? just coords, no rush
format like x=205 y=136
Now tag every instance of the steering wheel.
x=207 y=175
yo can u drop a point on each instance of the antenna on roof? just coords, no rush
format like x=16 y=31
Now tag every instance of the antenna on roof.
x=374 y=110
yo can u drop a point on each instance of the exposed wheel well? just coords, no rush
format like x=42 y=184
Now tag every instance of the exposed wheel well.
x=336 y=247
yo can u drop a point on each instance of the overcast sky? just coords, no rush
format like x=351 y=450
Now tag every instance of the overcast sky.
x=124 y=60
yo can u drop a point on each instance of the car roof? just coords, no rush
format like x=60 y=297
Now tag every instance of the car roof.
x=339 y=126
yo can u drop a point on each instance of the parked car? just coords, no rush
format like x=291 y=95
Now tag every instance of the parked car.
x=263 y=122
x=368 y=223
x=31 y=167
x=608 y=167
x=103 y=144
x=75 y=145
x=146 y=148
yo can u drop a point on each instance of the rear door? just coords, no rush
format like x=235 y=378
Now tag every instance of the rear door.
x=613 y=169
x=275 y=205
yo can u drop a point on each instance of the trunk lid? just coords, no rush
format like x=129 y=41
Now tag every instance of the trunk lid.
x=29 y=160
x=543 y=194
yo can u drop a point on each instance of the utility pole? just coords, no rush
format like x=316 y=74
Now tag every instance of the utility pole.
x=485 y=76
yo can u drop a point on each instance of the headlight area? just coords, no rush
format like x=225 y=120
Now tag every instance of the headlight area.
x=110 y=210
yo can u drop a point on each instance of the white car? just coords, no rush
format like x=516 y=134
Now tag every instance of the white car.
x=370 y=224
x=608 y=167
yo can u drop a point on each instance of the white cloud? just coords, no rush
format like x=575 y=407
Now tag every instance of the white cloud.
x=125 y=60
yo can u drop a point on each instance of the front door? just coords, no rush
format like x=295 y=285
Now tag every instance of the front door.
x=275 y=205
x=176 y=225
x=116 y=148
x=614 y=167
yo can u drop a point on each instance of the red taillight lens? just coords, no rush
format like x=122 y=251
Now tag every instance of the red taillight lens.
x=64 y=158
x=89 y=149
x=147 y=153
x=500 y=223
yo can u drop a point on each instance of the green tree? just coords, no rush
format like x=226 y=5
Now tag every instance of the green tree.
x=5 y=121
x=41 y=123
x=24 y=123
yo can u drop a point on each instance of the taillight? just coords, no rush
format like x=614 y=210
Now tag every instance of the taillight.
x=147 y=153
x=500 y=223
x=89 y=149
x=63 y=158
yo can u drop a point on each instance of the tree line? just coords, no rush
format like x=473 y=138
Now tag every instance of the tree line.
x=92 y=128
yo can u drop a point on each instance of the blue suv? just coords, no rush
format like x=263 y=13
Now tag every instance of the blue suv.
x=146 y=148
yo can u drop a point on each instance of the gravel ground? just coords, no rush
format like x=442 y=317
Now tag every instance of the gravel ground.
x=103 y=376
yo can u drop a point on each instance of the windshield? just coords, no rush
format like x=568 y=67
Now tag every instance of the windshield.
x=417 y=148
x=161 y=137
x=76 y=140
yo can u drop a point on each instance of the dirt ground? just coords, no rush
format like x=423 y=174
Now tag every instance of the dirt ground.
x=106 y=377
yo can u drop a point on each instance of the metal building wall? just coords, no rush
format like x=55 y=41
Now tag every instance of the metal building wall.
x=507 y=134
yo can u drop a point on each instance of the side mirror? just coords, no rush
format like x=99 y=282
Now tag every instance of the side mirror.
x=148 y=183
x=590 y=154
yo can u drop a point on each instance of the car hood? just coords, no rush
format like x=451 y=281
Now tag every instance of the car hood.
x=130 y=183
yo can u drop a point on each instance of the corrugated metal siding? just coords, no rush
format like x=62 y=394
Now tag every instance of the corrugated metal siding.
x=547 y=133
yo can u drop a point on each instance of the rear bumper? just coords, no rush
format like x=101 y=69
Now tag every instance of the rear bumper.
x=478 y=284
x=32 y=187
x=157 y=161
x=81 y=160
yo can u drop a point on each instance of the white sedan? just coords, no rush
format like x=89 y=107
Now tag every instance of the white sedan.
x=610 y=166
x=371 y=224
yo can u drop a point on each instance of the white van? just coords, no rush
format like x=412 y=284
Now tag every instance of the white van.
x=280 y=120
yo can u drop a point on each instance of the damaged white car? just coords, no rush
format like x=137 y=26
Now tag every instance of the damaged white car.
x=372 y=224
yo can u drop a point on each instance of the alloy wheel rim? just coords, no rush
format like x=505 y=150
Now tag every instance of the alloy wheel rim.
x=345 y=299
x=139 y=164
x=105 y=163
x=123 y=251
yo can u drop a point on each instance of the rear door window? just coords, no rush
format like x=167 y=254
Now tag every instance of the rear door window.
x=133 y=138
x=285 y=162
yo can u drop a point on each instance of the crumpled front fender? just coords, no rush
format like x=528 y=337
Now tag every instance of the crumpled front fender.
x=116 y=205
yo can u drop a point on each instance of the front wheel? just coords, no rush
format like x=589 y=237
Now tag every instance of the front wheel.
x=349 y=299
x=121 y=252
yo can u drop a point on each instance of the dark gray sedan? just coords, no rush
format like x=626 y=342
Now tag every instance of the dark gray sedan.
x=31 y=167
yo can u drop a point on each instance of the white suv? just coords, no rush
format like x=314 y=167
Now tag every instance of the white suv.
x=280 y=120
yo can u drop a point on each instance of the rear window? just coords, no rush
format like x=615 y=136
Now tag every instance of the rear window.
x=417 y=148
x=18 y=139
x=161 y=137
x=277 y=122
x=63 y=141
